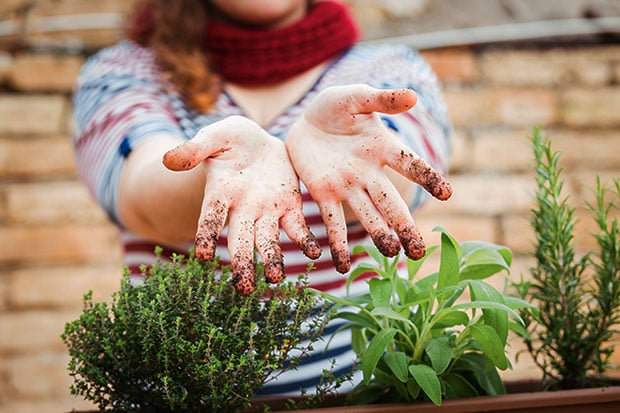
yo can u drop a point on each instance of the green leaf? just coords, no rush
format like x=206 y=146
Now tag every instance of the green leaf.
x=358 y=271
x=413 y=388
x=449 y=318
x=427 y=380
x=483 y=263
x=519 y=329
x=382 y=374
x=482 y=291
x=372 y=251
x=375 y=350
x=449 y=264
x=468 y=247
x=401 y=389
x=439 y=352
x=389 y=313
x=489 y=305
x=457 y=291
x=333 y=298
x=358 y=341
x=380 y=292
x=457 y=386
x=414 y=266
x=517 y=303
x=363 y=394
x=425 y=282
x=402 y=287
x=498 y=319
x=357 y=319
x=484 y=372
x=397 y=362
x=490 y=343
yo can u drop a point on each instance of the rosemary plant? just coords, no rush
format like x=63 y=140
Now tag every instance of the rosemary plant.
x=186 y=341
x=578 y=298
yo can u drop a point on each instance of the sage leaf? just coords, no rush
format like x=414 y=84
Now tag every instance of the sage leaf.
x=413 y=388
x=457 y=386
x=428 y=381
x=498 y=319
x=484 y=261
x=358 y=341
x=398 y=362
x=449 y=318
x=449 y=264
x=380 y=292
x=358 y=320
x=389 y=313
x=484 y=372
x=375 y=350
x=414 y=266
x=491 y=344
x=490 y=305
x=360 y=270
x=439 y=352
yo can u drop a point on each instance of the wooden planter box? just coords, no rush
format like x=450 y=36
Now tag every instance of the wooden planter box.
x=519 y=399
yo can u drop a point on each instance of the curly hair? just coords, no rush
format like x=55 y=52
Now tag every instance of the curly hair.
x=175 y=31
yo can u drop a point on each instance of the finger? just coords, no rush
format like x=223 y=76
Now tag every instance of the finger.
x=374 y=223
x=241 y=249
x=208 y=142
x=268 y=245
x=345 y=103
x=210 y=225
x=397 y=214
x=391 y=101
x=410 y=165
x=294 y=224
x=335 y=224
x=412 y=241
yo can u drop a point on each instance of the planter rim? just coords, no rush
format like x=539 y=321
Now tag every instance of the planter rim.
x=501 y=403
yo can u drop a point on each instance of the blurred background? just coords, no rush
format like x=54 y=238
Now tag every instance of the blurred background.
x=506 y=66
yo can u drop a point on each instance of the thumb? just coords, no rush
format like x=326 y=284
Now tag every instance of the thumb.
x=209 y=141
x=185 y=156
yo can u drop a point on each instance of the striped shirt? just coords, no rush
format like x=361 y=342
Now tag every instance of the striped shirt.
x=119 y=102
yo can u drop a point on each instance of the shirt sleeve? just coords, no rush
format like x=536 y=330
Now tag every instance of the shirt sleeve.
x=118 y=103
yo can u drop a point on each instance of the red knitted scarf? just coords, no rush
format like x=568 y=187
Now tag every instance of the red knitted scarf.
x=257 y=57
x=251 y=56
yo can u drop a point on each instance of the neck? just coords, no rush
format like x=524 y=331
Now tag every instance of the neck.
x=251 y=99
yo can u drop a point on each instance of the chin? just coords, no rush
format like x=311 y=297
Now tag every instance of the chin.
x=263 y=13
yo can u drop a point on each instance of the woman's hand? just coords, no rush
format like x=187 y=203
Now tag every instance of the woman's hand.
x=339 y=148
x=250 y=182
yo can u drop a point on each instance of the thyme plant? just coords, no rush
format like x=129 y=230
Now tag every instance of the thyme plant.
x=578 y=298
x=186 y=341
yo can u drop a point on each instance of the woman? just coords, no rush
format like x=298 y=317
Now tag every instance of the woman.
x=242 y=97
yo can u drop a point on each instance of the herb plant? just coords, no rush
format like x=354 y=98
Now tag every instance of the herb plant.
x=186 y=341
x=423 y=338
x=578 y=297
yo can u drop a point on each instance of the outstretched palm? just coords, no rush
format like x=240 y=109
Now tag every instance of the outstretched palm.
x=251 y=183
x=339 y=148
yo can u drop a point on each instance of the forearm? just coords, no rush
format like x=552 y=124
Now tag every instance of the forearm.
x=156 y=202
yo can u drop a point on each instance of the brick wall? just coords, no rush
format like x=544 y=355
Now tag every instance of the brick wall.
x=55 y=244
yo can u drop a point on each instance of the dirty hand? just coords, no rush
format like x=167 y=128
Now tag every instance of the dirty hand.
x=250 y=181
x=339 y=148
